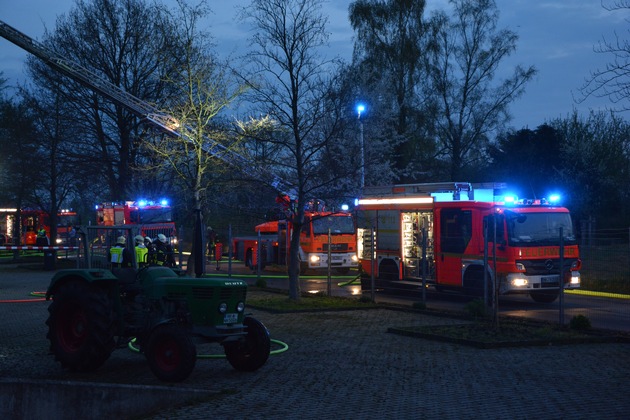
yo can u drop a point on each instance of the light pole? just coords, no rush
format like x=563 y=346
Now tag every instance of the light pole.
x=360 y=109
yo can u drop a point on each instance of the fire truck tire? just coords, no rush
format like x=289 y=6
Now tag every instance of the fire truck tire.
x=81 y=326
x=473 y=283
x=388 y=270
x=251 y=353
x=171 y=353
x=544 y=297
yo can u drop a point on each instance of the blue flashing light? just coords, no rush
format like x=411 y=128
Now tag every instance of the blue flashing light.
x=164 y=202
x=142 y=203
x=554 y=198
x=356 y=202
x=510 y=199
x=344 y=207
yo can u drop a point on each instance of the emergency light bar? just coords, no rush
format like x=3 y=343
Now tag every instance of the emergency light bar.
x=401 y=200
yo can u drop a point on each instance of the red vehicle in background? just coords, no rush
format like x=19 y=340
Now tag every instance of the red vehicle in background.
x=324 y=235
x=31 y=220
x=154 y=217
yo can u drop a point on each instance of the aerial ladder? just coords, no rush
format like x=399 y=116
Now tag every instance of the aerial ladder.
x=151 y=115
x=147 y=112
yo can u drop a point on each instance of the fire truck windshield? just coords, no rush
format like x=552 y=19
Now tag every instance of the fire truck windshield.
x=338 y=224
x=539 y=228
x=151 y=215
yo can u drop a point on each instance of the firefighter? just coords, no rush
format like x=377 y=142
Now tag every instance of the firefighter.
x=164 y=251
x=119 y=255
x=42 y=237
x=152 y=252
x=141 y=251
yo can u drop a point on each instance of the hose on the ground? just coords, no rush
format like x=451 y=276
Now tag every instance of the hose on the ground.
x=283 y=347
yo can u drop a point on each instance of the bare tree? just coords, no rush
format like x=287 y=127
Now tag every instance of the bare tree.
x=466 y=104
x=287 y=79
x=118 y=41
x=613 y=81
x=200 y=91
x=54 y=180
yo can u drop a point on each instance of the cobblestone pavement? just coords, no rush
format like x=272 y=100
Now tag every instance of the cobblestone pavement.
x=345 y=365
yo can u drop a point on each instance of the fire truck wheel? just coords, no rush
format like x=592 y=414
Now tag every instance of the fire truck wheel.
x=81 y=326
x=544 y=297
x=251 y=353
x=171 y=353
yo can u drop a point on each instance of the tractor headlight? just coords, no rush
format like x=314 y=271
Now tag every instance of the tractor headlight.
x=223 y=308
x=240 y=307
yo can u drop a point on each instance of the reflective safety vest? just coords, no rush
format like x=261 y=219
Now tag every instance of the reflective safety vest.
x=141 y=254
x=116 y=254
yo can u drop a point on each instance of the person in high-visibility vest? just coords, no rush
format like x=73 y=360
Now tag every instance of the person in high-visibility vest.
x=119 y=255
x=42 y=237
x=142 y=252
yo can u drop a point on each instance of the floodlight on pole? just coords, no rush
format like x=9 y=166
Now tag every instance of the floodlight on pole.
x=360 y=110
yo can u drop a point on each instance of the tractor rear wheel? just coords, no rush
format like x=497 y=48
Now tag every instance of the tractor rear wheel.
x=81 y=326
x=250 y=354
x=171 y=353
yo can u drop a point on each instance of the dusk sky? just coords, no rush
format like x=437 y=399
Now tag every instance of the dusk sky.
x=556 y=36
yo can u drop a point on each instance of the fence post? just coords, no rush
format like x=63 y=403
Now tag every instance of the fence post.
x=561 y=280
x=424 y=265
x=229 y=250
x=373 y=263
x=329 y=282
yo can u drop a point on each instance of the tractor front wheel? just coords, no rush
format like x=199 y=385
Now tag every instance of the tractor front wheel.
x=81 y=326
x=171 y=353
x=250 y=354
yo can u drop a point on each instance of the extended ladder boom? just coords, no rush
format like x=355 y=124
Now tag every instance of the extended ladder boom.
x=139 y=107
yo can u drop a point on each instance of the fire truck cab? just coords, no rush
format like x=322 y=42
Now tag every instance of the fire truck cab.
x=152 y=217
x=324 y=235
x=455 y=236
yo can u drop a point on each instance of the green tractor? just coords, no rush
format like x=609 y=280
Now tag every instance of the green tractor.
x=96 y=308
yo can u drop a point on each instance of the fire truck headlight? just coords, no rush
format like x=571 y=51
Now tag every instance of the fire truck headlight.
x=58 y=241
x=223 y=308
x=575 y=278
x=240 y=307
x=315 y=258
x=519 y=282
x=355 y=258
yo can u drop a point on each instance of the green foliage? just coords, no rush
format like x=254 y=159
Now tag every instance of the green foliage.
x=580 y=323
x=476 y=308
x=311 y=302
x=419 y=305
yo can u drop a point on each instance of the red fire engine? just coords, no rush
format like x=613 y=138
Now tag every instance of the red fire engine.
x=31 y=221
x=524 y=258
x=155 y=217
x=274 y=239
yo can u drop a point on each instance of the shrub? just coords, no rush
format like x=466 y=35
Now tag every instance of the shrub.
x=419 y=305
x=580 y=323
x=476 y=308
